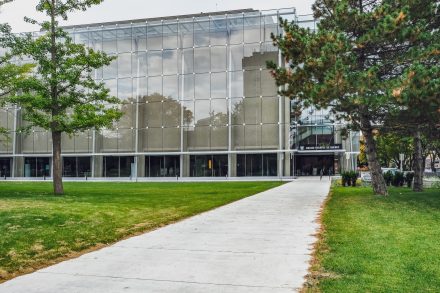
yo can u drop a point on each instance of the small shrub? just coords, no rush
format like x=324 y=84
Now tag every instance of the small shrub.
x=345 y=178
x=353 y=178
x=409 y=179
x=388 y=176
x=398 y=179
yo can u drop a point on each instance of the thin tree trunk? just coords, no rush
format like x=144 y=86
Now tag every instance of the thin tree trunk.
x=418 y=163
x=377 y=180
x=57 y=164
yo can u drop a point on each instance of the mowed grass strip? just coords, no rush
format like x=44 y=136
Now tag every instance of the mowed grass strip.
x=379 y=244
x=38 y=229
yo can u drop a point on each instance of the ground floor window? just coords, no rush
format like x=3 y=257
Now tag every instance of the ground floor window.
x=257 y=165
x=208 y=165
x=5 y=167
x=115 y=166
x=77 y=167
x=308 y=165
x=36 y=167
x=162 y=166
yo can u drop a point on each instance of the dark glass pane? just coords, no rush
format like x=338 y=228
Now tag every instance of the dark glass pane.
x=111 y=166
x=69 y=167
x=270 y=165
x=241 y=165
x=5 y=167
x=126 y=166
x=84 y=166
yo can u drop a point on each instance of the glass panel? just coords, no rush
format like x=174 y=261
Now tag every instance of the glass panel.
x=171 y=87
x=83 y=141
x=252 y=135
x=270 y=26
x=124 y=65
x=189 y=112
x=139 y=64
x=126 y=140
x=67 y=143
x=186 y=62
x=171 y=113
x=197 y=138
x=252 y=107
x=202 y=60
x=236 y=57
x=268 y=85
x=186 y=35
x=126 y=164
x=37 y=167
x=202 y=86
x=186 y=83
x=236 y=29
x=218 y=58
x=154 y=139
x=141 y=88
x=238 y=137
x=109 y=40
x=76 y=166
x=201 y=32
x=109 y=140
x=96 y=40
x=219 y=138
x=154 y=63
x=219 y=30
x=42 y=142
x=111 y=166
x=270 y=165
x=124 y=40
x=170 y=35
x=171 y=139
x=125 y=90
x=169 y=62
x=219 y=85
x=270 y=136
x=5 y=167
x=209 y=166
x=236 y=84
x=112 y=85
x=252 y=29
x=110 y=71
x=237 y=111
x=252 y=83
x=270 y=109
x=139 y=41
x=202 y=112
x=152 y=114
x=155 y=86
x=219 y=112
x=154 y=33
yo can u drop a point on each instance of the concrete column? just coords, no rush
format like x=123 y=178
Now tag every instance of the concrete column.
x=233 y=165
x=98 y=166
x=185 y=166
x=140 y=166
x=18 y=166
x=287 y=159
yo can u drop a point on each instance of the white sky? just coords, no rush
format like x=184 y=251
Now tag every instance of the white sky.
x=115 y=10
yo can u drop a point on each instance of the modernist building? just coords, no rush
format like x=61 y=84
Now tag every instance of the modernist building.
x=197 y=100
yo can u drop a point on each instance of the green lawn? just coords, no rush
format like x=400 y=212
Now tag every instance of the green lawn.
x=38 y=229
x=379 y=244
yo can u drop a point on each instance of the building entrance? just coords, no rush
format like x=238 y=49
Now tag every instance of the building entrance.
x=311 y=165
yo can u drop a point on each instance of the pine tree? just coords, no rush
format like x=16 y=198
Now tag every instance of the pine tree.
x=349 y=64
x=62 y=96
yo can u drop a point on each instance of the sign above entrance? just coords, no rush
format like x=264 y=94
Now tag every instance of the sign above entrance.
x=312 y=147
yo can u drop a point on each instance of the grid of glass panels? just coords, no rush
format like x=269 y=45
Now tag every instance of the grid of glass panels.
x=190 y=84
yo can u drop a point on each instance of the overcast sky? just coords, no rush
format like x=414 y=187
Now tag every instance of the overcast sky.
x=114 y=10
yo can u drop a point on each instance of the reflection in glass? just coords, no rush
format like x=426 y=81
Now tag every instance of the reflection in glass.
x=5 y=167
x=162 y=166
x=256 y=165
x=37 y=167
x=208 y=165
x=119 y=166
x=77 y=166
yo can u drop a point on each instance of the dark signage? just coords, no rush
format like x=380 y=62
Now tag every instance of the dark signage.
x=312 y=147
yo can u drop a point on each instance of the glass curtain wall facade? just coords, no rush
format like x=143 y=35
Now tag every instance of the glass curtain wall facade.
x=196 y=96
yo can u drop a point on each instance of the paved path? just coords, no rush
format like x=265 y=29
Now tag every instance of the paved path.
x=258 y=244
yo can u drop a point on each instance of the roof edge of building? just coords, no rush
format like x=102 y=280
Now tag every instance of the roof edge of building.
x=202 y=14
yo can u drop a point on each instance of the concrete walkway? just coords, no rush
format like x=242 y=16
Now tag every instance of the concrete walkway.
x=258 y=244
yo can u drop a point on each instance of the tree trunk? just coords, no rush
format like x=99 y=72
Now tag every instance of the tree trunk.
x=57 y=164
x=377 y=180
x=418 y=163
